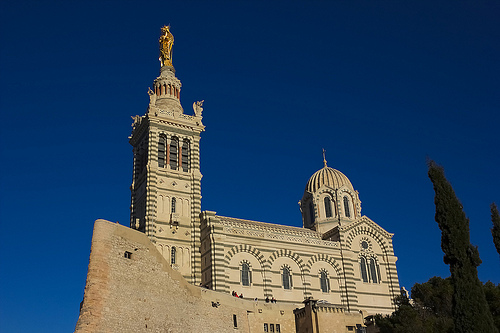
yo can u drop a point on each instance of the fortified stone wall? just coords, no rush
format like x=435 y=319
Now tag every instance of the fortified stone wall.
x=143 y=294
x=132 y=288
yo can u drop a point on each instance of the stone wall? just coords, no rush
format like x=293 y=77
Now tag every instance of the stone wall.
x=143 y=294
x=316 y=318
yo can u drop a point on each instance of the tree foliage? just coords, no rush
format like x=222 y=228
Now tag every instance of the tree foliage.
x=495 y=231
x=430 y=310
x=492 y=293
x=470 y=310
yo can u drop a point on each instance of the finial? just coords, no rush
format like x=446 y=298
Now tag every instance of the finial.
x=324 y=157
x=166 y=43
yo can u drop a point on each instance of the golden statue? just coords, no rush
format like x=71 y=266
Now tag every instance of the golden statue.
x=166 y=43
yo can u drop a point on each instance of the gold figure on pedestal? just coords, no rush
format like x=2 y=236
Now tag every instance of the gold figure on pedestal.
x=166 y=43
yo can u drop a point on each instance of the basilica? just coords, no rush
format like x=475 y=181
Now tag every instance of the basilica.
x=340 y=259
x=339 y=255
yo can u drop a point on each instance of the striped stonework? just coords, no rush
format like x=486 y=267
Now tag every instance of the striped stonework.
x=269 y=248
x=166 y=197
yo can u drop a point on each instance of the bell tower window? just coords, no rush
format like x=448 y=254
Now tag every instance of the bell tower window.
x=185 y=156
x=328 y=207
x=162 y=145
x=174 y=153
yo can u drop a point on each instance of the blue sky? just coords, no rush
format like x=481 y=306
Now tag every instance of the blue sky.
x=381 y=86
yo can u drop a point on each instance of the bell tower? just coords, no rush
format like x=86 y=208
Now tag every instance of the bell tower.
x=166 y=183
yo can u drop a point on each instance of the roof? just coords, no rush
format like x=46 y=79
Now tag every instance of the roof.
x=329 y=177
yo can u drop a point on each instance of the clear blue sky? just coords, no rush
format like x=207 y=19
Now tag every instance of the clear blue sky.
x=380 y=85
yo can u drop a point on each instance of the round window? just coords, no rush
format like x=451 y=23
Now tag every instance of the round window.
x=364 y=245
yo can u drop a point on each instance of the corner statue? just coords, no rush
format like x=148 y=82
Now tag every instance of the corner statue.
x=166 y=43
x=198 y=108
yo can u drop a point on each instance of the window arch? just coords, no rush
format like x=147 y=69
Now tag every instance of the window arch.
x=286 y=277
x=173 y=255
x=174 y=153
x=246 y=274
x=174 y=201
x=347 y=211
x=185 y=155
x=324 y=282
x=162 y=146
x=328 y=207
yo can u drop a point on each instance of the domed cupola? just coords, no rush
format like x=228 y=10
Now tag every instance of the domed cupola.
x=328 y=177
x=329 y=199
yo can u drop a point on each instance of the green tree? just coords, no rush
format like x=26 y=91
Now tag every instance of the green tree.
x=406 y=319
x=428 y=312
x=492 y=293
x=495 y=231
x=470 y=310
x=435 y=295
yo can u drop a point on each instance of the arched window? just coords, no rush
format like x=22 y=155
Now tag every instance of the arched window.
x=324 y=282
x=346 y=207
x=328 y=207
x=364 y=273
x=286 y=278
x=311 y=212
x=174 y=153
x=172 y=255
x=185 y=156
x=162 y=145
x=374 y=271
x=370 y=271
x=246 y=277
x=173 y=205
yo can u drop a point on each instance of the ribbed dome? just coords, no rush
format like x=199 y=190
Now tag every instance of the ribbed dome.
x=329 y=177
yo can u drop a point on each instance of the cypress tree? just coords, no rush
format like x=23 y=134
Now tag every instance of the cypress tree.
x=495 y=231
x=469 y=307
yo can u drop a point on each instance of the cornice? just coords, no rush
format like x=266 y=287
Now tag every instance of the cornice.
x=272 y=231
x=178 y=120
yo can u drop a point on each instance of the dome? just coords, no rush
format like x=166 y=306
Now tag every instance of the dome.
x=329 y=177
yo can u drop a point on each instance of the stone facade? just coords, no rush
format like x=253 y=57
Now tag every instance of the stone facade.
x=149 y=277
x=336 y=257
